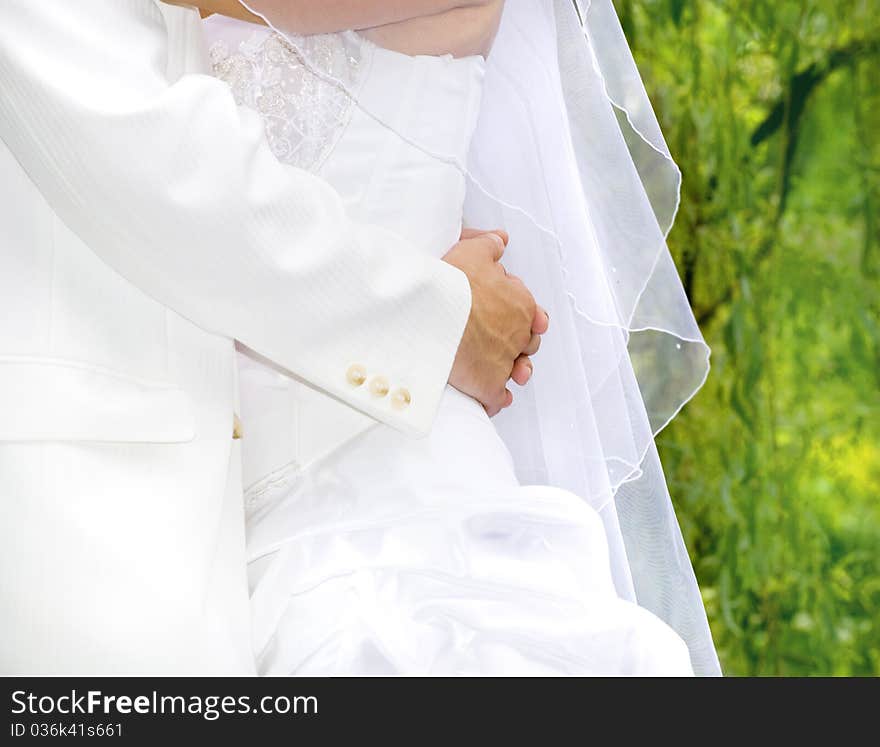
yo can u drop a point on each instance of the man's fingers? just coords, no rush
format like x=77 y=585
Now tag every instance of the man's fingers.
x=498 y=244
x=534 y=344
x=522 y=289
x=522 y=370
x=495 y=241
x=504 y=400
x=541 y=323
x=474 y=233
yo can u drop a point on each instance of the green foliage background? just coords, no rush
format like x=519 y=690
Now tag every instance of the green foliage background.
x=772 y=110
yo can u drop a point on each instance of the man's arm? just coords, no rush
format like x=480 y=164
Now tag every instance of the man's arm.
x=463 y=31
x=175 y=187
x=328 y=16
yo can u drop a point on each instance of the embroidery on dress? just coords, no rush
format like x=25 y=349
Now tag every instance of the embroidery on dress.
x=292 y=87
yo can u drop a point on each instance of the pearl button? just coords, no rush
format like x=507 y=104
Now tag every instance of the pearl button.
x=400 y=399
x=356 y=375
x=379 y=386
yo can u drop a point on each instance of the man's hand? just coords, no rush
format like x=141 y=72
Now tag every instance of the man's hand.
x=504 y=327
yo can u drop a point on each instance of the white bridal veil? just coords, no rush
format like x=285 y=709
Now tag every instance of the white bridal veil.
x=569 y=158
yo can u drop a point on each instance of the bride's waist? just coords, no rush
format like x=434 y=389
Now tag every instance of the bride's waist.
x=432 y=101
x=389 y=131
x=400 y=160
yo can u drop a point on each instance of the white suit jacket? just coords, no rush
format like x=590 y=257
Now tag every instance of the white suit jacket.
x=144 y=225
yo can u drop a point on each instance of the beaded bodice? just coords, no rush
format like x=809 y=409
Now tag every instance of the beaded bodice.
x=302 y=87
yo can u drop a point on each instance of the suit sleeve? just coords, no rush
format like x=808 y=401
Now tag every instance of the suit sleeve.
x=175 y=187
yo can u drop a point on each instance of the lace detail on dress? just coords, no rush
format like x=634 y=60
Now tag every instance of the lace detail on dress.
x=298 y=88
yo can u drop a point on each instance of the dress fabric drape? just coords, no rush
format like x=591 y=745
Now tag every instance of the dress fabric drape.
x=567 y=155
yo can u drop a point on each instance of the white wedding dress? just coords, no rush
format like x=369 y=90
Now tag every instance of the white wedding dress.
x=376 y=553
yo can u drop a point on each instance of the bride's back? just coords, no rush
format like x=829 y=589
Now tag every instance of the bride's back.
x=348 y=110
x=380 y=125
